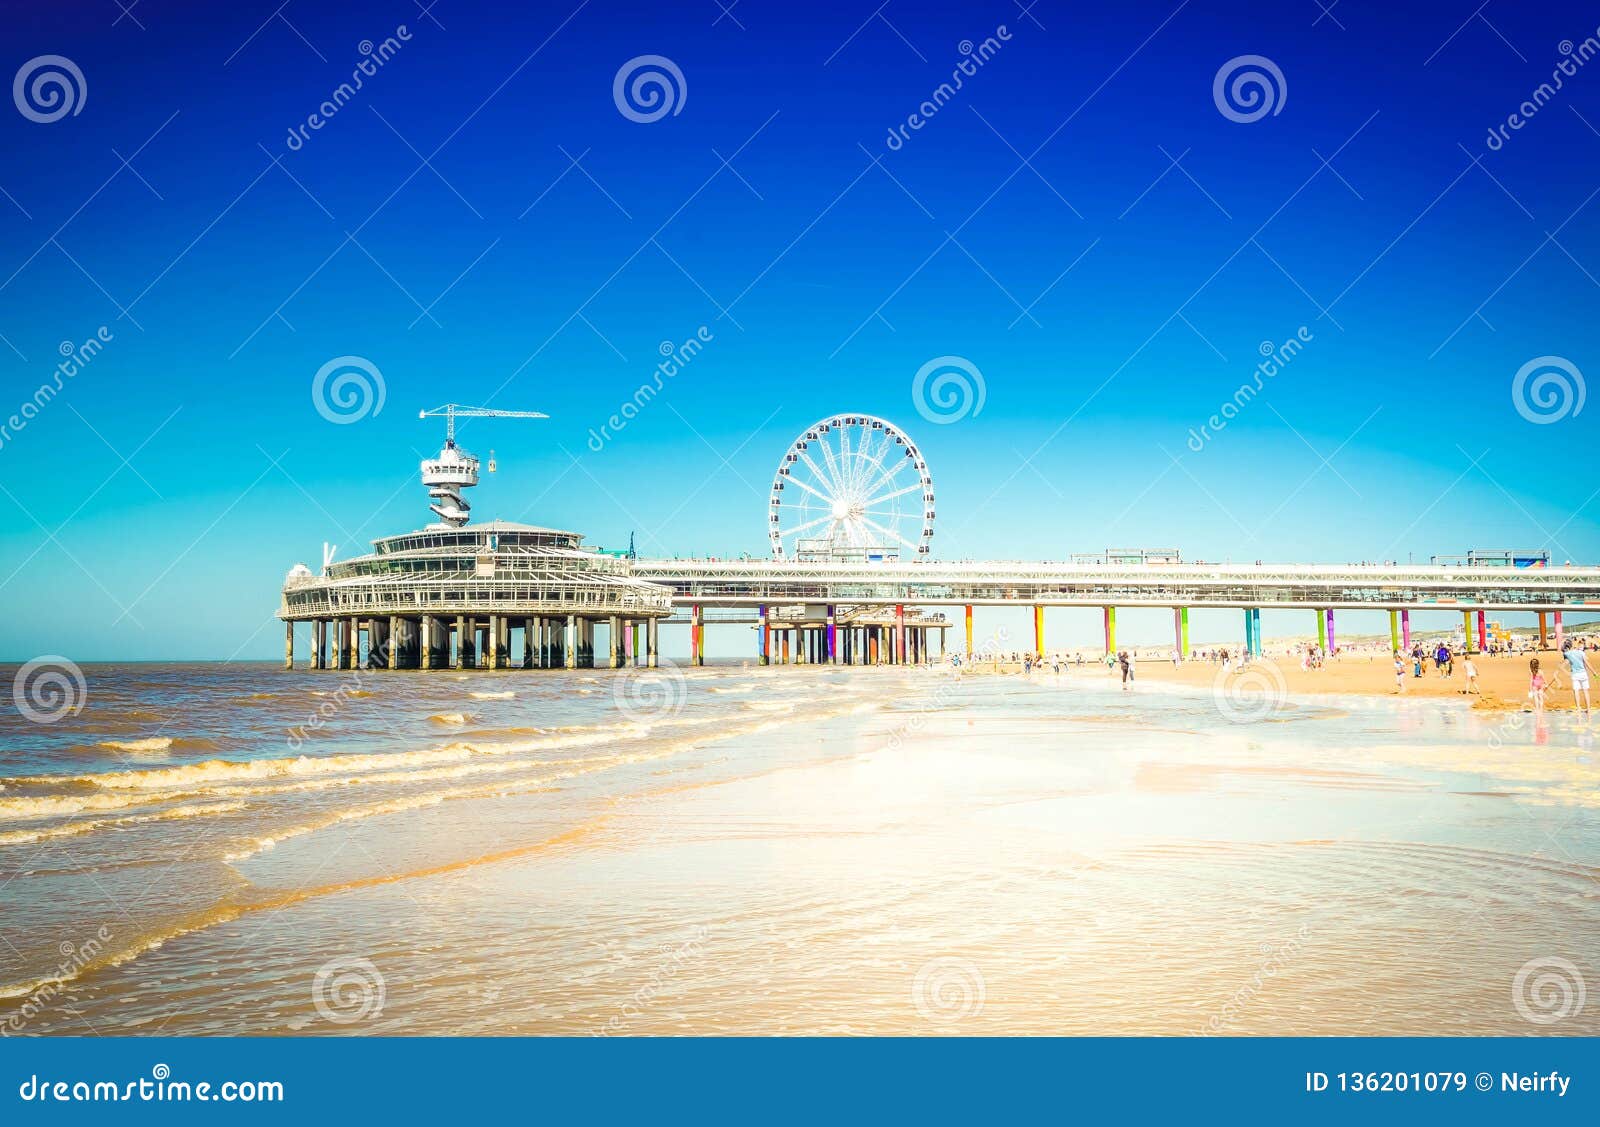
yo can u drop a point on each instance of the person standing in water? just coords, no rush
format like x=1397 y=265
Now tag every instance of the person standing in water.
x=1536 y=685
x=1579 y=666
x=1127 y=668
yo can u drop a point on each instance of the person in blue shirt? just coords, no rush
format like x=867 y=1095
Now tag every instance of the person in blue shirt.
x=1579 y=667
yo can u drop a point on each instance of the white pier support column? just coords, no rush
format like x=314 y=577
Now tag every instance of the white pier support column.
x=650 y=642
x=570 y=646
x=288 y=644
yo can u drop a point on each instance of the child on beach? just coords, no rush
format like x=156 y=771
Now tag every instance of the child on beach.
x=1399 y=673
x=1471 y=671
x=1536 y=689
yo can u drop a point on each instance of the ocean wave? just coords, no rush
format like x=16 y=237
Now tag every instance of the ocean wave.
x=151 y=744
x=450 y=718
x=507 y=695
x=74 y=829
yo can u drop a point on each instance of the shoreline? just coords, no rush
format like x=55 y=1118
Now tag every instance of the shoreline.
x=1502 y=679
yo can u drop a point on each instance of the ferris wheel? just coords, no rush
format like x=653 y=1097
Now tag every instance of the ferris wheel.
x=851 y=487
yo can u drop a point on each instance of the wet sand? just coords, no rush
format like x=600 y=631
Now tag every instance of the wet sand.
x=1502 y=680
x=887 y=851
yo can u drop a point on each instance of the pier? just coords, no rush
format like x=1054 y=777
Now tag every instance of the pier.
x=857 y=591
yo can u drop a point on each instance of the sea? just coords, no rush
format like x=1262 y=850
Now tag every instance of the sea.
x=206 y=849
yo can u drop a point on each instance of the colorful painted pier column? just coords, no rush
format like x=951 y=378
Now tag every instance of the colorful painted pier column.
x=1110 y=616
x=1324 y=617
x=969 y=631
x=1180 y=631
x=1544 y=630
x=899 y=634
x=1483 y=631
x=697 y=654
x=764 y=636
x=1394 y=630
x=1333 y=642
x=1405 y=630
x=833 y=638
x=1560 y=634
x=1038 y=629
x=1252 y=632
x=1468 y=638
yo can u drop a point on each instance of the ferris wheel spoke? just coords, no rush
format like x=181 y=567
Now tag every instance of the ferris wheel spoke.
x=887 y=476
x=834 y=470
x=821 y=477
x=876 y=527
x=811 y=489
x=802 y=527
x=896 y=493
x=876 y=463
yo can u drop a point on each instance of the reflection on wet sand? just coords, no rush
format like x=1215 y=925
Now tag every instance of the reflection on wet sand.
x=802 y=851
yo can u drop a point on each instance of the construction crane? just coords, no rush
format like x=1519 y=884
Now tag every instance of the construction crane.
x=455 y=469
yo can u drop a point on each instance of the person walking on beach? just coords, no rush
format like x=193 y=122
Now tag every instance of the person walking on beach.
x=1579 y=666
x=1399 y=673
x=1536 y=685
x=1127 y=669
x=1471 y=670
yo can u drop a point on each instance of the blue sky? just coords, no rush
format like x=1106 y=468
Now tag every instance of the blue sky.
x=152 y=507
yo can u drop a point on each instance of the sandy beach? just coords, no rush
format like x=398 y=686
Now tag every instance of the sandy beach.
x=1502 y=679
